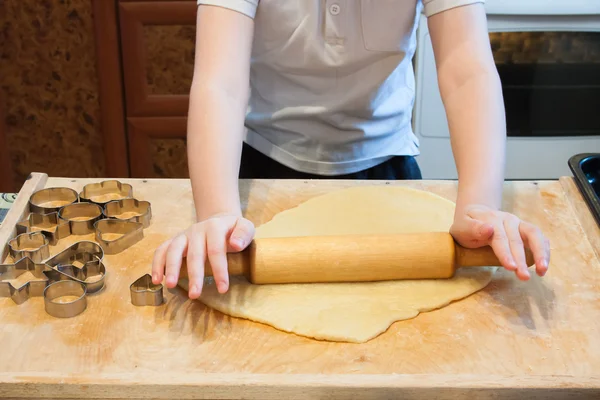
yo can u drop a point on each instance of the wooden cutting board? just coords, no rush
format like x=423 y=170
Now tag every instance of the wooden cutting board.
x=510 y=340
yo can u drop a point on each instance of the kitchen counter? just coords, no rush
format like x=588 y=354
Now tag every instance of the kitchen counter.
x=510 y=340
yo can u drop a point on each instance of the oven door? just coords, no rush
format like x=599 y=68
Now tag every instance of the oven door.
x=549 y=67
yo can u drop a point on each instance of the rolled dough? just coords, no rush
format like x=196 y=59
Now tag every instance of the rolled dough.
x=349 y=312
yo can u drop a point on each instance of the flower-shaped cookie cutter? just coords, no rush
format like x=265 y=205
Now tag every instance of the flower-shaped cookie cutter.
x=129 y=209
x=33 y=245
x=50 y=225
x=105 y=191
x=145 y=293
x=49 y=200
x=115 y=236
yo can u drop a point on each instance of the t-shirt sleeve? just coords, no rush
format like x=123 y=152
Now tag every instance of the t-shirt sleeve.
x=432 y=7
x=247 y=7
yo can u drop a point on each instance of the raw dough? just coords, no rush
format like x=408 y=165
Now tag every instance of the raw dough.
x=349 y=312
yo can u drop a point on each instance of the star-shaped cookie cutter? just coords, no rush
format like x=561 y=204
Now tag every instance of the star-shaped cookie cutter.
x=50 y=225
x=34 y=287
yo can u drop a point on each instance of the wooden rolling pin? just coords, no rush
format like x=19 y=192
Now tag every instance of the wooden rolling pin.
x=355 y=258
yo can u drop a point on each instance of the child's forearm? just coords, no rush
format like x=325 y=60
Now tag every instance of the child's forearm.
x=218 y=100
x=472 y=97
x=476 y=119
x=215 y=133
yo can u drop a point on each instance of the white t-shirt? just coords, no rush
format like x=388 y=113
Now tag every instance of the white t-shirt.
x=332 y=82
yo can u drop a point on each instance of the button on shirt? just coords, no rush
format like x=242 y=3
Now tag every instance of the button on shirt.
x=332 y=83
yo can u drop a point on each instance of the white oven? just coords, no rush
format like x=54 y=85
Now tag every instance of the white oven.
x=548 y=56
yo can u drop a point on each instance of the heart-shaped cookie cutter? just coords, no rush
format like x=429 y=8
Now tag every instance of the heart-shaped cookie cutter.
x=90 y=255
x=105 y=191
x=129 y=209
x=69 y=272
x=129 y=233
x=145 y=293
x=50 y=225
x=33 y=245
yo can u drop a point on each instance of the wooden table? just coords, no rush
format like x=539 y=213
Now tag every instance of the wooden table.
x=510 y=340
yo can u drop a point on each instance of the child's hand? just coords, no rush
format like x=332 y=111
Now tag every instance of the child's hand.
x=211 y=238
x=479 y=226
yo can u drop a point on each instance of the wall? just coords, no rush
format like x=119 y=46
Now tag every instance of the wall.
x=48 y=75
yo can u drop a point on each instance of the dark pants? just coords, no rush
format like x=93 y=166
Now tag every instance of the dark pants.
x=255 y=165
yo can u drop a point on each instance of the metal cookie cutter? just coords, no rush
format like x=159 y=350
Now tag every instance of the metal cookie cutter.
x=105 y=191
x=91 y=275
x=65 y=299
x=49 y=200
x=92 y=272
x=115 y=236
x=50 y=225
x=33 y=245
x=129 y=210
x=81 y=217
x=34 y=287
x=145 y=293
x=82 y=252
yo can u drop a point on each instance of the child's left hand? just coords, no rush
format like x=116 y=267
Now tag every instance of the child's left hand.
x=479 y=225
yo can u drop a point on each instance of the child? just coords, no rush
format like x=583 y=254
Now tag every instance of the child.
x=320 y=88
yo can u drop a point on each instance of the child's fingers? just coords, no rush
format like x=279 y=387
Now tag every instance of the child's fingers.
x=501 y=246
x=158 y=262
x=216 y=249
x=539 y=245
x=517 y=247
x=175 y=253
x=196 y=257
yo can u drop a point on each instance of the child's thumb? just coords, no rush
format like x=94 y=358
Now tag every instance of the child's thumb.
x=241 y=235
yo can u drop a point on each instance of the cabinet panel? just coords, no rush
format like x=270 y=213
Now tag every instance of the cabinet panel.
x=157 y=147
x=169 y=158
x=170 y=52
x=149 y=52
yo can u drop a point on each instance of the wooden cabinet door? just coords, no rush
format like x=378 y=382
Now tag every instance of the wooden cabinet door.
x=157 y=46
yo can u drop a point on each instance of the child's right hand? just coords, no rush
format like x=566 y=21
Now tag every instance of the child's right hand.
x=211 y=238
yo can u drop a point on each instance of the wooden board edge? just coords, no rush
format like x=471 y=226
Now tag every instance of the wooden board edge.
x=35 y=181
x=300 y=386
x=580 y=209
